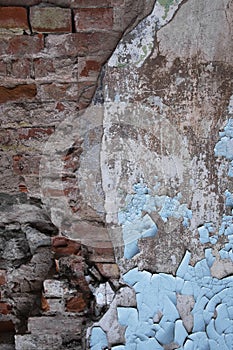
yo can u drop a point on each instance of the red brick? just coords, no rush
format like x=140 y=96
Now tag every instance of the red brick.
x=93 y=18
x=19 y=92
x=21 y=68
x=63 y=246
x=98 y=42
x=50 y=20
x=76 y=304
x=43 y=67
x=5 y=308
x=2 y=277
x=91 y=3
x=22 y=45
x=13 y=18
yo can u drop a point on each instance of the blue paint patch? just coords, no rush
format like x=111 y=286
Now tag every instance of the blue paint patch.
x=98 y=340
x=205 y=231
x=135 y=224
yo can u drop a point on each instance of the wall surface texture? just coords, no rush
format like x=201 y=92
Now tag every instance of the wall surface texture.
x=116 y=152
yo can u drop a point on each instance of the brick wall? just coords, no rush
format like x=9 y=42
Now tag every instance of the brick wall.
x=51 y=56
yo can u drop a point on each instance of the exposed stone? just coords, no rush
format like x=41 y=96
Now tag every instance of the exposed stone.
x=109 y=270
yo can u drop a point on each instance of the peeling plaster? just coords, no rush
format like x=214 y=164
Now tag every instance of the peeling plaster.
x=140 y=43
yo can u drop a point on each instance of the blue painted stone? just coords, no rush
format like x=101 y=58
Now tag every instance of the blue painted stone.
x=150 y=344
x=180 y=333
x=98 y=339
x=127 y=316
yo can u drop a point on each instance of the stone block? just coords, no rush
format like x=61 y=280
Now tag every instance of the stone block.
x=54 y=288
x=13 y=19
x=108 y=270
x=93 y=18
x=39 y=341
x=50 y=20
x=55 y=325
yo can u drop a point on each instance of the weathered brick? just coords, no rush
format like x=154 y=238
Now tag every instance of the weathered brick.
x=23 y=165
x=2 y=277
x=34 y=133
x=76 y=304
x=89 y=68
x=13 y=19
x=58 y=92
x=19 y=92
x=63 y=246
x=82 y=44
x=101 y=43
x=43 y=67
x=21 y=68
x=22 y=45
x=5 y=308
x=3 y=68
x=57 y=69
x=90 y=3
x=20 y=2
x=50 y=20
x=93 y=18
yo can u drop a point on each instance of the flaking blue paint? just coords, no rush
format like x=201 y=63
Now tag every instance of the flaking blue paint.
x=156 y=293
x=98 y=340
x=135 y=224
